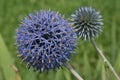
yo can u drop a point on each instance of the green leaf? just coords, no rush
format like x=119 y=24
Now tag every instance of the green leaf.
x=87 y=67
x=103 y=75
x=6 y=61
x=1 y=75
x=67 y=74
x=117 y=62
x=98 y=68
x=30 y=75
x=59 y=75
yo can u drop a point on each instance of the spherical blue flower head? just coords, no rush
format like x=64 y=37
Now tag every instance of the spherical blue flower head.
x=87 y=22
x=45 y=40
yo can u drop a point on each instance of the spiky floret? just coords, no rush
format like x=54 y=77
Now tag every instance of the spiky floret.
x=45 y=40
x=87 y=22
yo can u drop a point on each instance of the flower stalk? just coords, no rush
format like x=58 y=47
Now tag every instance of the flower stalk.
x=105 y=60
x=73 y=72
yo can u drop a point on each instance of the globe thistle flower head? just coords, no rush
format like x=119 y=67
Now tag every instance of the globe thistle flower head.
x=45 y=40
x=87 y=22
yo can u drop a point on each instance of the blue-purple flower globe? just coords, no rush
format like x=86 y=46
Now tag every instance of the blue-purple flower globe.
x=87 y=22
x=45 y=40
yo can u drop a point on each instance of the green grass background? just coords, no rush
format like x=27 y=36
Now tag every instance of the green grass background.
x=86 y=62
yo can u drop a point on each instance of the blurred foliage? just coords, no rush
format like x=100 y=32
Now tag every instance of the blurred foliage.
x=6 y=62
x=86 y=62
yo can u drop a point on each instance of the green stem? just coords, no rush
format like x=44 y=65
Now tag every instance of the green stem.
x=73 y=72
x=105 y=59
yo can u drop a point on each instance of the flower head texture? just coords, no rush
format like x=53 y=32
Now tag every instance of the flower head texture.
x=45 y=40
x=87 y=22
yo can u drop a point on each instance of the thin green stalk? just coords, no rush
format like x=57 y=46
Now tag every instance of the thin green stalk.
x=73 y=72
x=105 y=60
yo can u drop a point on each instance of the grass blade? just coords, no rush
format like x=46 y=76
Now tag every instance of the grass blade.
x=6 y=61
